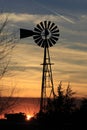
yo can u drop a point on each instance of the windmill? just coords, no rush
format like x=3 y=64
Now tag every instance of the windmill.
x=45 y=35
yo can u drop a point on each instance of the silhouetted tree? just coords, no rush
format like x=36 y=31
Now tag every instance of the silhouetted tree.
x=84 y=104
x=83 y=108
x=69 y=99
x=7 y=40
x=64 y=101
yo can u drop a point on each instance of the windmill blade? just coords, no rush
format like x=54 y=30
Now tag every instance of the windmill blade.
x=54 y=38
x=36 y=36
x=39 y=27
x=39 y=42
x=52 y=25
x=37 y=33
x=37 y=30
x=50 y=43
x=41 y=23
x=45 y=23
x=54 y=28
x=55 y=31
x=26 y=33
x=56 y=34
x=49 y=23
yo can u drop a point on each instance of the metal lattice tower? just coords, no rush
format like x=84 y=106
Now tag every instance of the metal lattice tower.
x=45 y=35
x=47 y=89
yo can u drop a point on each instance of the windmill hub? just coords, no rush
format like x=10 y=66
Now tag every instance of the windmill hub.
x=46 y=34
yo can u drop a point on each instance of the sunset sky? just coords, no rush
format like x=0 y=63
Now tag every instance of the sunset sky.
x=69 y=54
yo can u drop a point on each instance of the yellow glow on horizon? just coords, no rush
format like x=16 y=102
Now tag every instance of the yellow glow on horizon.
x=27 y=88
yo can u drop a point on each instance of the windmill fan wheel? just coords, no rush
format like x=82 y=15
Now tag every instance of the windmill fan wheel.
x=46 y=34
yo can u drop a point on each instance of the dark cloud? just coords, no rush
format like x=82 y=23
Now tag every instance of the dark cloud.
x=42 y=6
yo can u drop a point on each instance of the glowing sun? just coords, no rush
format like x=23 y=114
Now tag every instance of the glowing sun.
x=29 y=117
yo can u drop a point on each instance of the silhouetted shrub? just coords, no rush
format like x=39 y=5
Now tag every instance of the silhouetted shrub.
x=16 y=116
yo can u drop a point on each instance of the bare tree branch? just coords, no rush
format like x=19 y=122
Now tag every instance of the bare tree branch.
x=7 y=44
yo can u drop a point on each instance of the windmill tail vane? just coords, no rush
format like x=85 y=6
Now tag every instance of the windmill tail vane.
x=25 y=33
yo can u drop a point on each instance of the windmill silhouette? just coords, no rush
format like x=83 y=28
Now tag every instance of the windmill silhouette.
x=45 y=35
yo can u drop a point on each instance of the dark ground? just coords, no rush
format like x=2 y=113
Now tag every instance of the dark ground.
x=37 y=125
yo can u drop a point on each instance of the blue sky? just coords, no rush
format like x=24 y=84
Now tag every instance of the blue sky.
x=69 y=55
